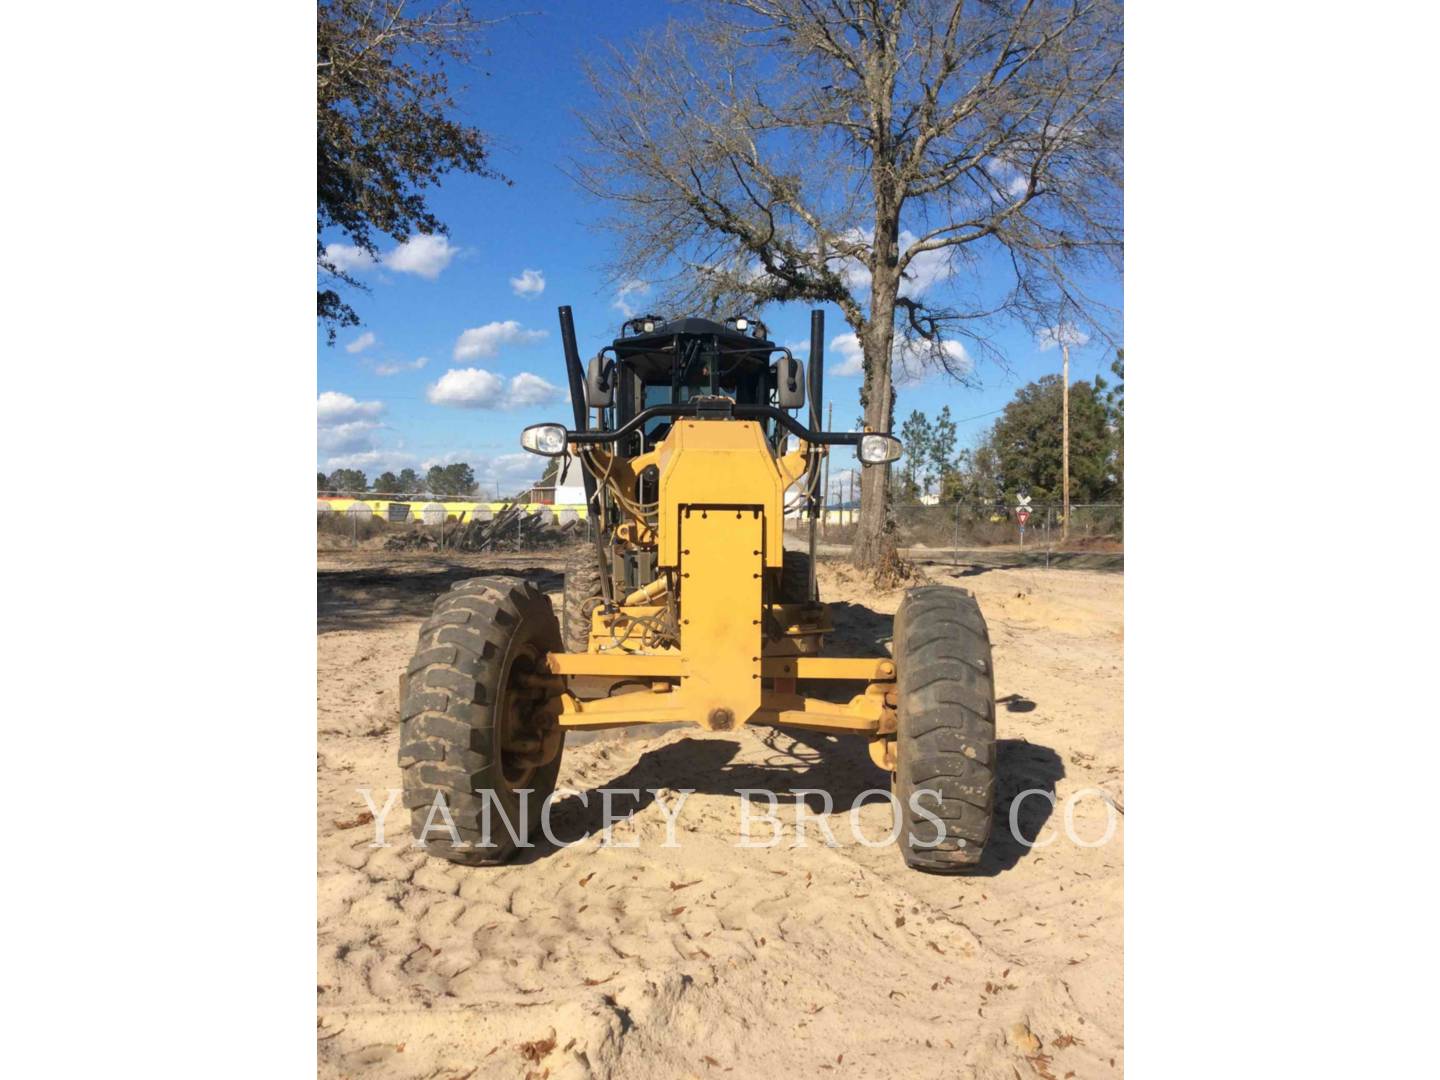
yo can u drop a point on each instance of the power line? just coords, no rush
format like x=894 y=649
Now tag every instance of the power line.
x=979 y=416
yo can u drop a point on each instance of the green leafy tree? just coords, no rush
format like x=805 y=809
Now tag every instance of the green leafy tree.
x=940 y=459
x=409 y=482
x=320 y=483
x=975 y=480
x=1115 y=403
x=1027 y=442
x=916 y=436
x=387 y=128
x=387 y=482
x=346 y=481
x=447 y=481
x=462 y=479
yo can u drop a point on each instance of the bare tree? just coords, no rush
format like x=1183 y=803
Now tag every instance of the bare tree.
x=931 y=167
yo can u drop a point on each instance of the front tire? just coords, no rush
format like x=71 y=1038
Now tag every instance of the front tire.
x=583 y=594
x=471 y=732
x=795 y=578
x=945 y=738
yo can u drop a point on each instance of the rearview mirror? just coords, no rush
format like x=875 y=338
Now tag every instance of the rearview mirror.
x=597 y=383
x=789 y=382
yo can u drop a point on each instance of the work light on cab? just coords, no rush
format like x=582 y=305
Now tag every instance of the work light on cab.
x=546 y=439
x=878 y=449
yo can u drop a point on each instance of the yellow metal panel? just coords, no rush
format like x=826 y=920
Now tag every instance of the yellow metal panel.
x=719 y=463
x=720 y=580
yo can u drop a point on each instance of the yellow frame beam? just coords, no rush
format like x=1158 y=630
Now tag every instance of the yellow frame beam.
x=865 y=713
x=669 y=665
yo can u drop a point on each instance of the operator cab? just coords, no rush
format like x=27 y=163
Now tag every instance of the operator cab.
x=659 y=362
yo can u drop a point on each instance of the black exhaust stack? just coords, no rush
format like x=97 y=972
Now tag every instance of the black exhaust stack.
x=817 y=366
x=582 y=411
x=817 y=385
x=572 y=368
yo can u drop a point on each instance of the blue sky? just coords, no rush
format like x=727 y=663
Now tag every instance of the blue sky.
x=381 y=407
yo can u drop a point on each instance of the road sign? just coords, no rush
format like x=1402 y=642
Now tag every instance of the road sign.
x=1024 y=502
x=1023 y=513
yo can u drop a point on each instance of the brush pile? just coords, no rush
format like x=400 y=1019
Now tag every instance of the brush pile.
x=513 y=529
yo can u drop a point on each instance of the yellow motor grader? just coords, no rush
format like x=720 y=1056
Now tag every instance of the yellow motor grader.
x=689 y=608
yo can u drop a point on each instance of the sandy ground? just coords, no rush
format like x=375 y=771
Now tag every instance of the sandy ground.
x=710 y=958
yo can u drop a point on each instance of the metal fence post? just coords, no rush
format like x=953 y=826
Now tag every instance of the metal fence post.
x=354 y=528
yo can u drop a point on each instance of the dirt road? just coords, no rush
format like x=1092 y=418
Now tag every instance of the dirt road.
x=710 y=958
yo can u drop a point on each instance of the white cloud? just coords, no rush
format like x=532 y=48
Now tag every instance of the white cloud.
x=361 y=343
x=394 y=367
x=348 y=258
x=527 y=389
x=634 y=287
x=483 y=342
x=475 y=388
x=1065 y=333
x=371 y=462
x=852 y=269
x=425 y=255
x=344 y=425
x=333 y=407
x=529 y=284
x=957 y=355
x=909 y=359
x=1010 y=175
x=467 y=388
x=453 y=457
x=926 y=269
x=514 y=469
x=348 y=437
x=511 y=471
x=846 y=347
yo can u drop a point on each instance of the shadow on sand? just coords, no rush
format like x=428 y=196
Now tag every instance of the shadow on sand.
x=802 y=764
x=372 y=598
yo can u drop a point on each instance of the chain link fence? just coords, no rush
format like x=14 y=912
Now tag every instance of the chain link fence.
x=435 y=526
x=956 y=531
x=959 y=529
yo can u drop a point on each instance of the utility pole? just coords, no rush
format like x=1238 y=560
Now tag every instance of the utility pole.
x=1064 y=437
x=825 y=514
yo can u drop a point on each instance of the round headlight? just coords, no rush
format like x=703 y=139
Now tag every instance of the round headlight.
x=546 y=439
x=878 y=449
